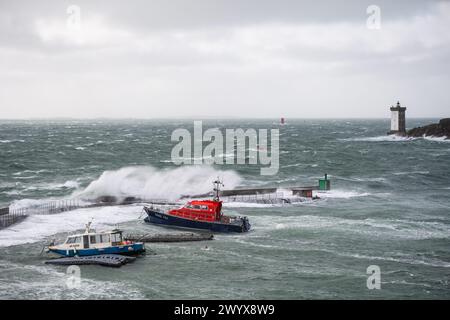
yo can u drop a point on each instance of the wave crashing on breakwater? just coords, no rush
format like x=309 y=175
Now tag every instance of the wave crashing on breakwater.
x=147 y=182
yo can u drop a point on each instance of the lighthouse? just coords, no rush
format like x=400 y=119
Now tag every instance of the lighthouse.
x=398 y=123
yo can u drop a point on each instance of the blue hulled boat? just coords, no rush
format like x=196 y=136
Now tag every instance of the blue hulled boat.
x=199 y=214
x=92 y=243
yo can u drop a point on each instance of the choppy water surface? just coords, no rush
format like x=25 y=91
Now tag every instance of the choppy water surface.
x=389 y=206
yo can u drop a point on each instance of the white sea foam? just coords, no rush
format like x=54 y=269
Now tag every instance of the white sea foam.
x=396 y=138
x=151 y=183
x=237 y=204
x=28 y=203
x=70 y=184
x=410 y=173
x=50 y=283
x=292 y=165
x=361 y=179
x=386 y=138
x=37 y=227
x=437 y=139
x=287 y=194
x=340 y=194
x=407 y=260
x=382 y=228
x=11 y=141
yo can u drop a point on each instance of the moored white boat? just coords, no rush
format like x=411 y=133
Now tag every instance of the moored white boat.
x=92 y=243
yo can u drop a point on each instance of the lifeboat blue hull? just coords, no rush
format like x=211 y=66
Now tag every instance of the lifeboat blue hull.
x=156 y=217
x=132 y=249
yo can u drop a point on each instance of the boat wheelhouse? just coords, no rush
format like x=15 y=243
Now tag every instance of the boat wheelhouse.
x=92 y=243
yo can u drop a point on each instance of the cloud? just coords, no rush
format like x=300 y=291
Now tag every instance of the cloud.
x=92 y=33
x=253 y=64
x=261 y=44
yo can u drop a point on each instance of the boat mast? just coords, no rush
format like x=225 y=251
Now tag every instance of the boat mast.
x=216 y=189
x=88 y=226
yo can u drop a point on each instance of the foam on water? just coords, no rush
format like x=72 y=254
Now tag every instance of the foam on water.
x=428 y=262
x=341 y=194
x=11 y=141
x=389 y=256
x=437 y=139
x=386 y=138
x=36 y=203
x=410 y=173
x=238 y=204
x=49 y=283
x=150 y=183
x=69 y=184
x=395 y=138
x=361 y=179
x=388 y=206
x=37 y=227
x=382 y=228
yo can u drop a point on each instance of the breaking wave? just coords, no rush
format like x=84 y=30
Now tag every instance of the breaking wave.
x=147 y=182
x=437 y=139
x=387 y=138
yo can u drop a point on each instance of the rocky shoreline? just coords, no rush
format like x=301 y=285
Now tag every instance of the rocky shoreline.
x=441 y=129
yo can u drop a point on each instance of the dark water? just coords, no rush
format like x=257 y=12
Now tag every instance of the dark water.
x=389 y=206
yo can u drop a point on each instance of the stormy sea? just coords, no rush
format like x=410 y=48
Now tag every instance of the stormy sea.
x=389 y=206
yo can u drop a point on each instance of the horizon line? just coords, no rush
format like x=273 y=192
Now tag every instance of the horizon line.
x=212 y=118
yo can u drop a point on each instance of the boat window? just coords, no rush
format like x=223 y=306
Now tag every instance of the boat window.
x=92 y=239
x=197 y=207
x=204 y=207
x=71 y=240
x=105 y=238
x=98 y=238
x=116 y=237
x=77 y=240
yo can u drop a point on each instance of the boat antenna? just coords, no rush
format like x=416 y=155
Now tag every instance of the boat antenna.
x=217 y=183
x=88 y=226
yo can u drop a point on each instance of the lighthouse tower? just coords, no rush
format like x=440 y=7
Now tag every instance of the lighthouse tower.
x=398 y=124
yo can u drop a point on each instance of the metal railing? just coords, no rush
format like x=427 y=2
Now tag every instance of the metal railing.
x=268 y=198
x=8 y=218
x=50 y=207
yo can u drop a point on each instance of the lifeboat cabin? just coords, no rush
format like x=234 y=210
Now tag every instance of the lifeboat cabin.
x=199 y=214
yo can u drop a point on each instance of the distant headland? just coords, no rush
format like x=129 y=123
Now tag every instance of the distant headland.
x=440 y=129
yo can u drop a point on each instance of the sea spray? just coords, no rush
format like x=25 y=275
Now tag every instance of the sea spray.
x=147 y=182
x=38 y=227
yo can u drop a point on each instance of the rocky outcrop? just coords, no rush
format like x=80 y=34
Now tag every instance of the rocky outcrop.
x=441 y=129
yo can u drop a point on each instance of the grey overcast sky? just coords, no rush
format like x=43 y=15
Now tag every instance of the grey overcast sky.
x=223 y=58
